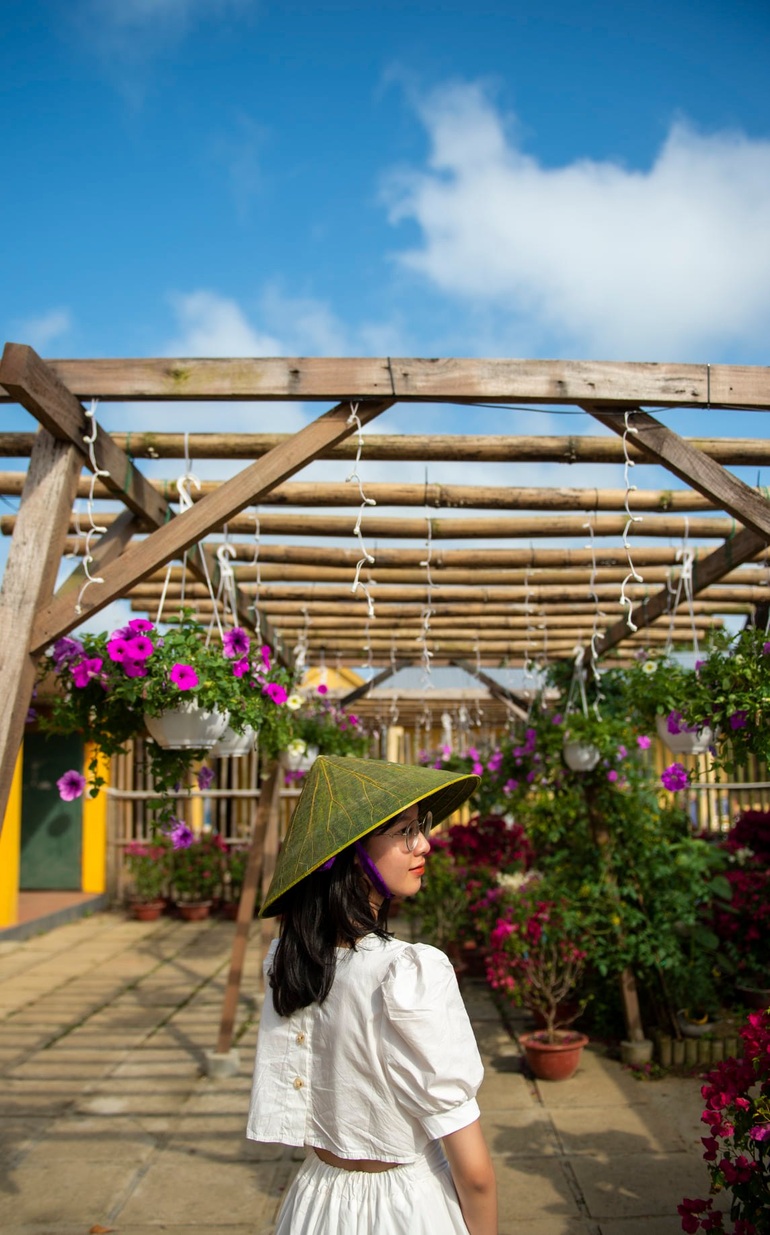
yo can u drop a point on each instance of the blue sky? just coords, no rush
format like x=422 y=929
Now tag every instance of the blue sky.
x=228 y=177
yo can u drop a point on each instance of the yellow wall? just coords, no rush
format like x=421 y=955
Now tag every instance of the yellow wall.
x=94 y=850
x=10 y=852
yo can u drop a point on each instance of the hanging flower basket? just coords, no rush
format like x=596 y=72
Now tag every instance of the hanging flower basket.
x=684 y=741
x=234 y=745
x=187 y=727
x=299 y=756
x=581 y=756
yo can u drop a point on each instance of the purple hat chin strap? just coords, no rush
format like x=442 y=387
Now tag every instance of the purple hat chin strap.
x=371 y=872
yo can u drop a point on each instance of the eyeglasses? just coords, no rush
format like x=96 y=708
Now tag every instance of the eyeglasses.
x=413 y=831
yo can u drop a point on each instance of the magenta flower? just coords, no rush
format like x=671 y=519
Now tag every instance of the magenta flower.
x=352 y=720
x=643 y=742
x=675 y=777
x=478 y=768
x=510 y=786
x=135 y=668
x=71 y=785
x=766 y=648
x=179 y=834
x=140 y=626
x=235 y=642
x=139 y=648
x=118 y=649
x=183 y=676
x=322 y=690
x=738 y=720
x=206 y=777
x=276 y=693
x=760 y=1132
x=86 y=669
x=612 y=775
x=558 y=718
x=265 y=653
x=473 y=754
x=622 y=752
x=674 y=722
x=241 y=667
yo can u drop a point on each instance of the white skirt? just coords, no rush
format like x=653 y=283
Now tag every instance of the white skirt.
x=418 y=1198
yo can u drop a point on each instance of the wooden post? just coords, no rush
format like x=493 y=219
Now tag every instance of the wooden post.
x=266 y=810
x=28 y=582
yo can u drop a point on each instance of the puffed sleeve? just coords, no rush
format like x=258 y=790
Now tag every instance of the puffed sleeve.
x=429 y=1049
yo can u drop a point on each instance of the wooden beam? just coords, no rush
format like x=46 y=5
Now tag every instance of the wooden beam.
x=28 y=580
x=497 y=691
x=696 y=469
x=174 y=538
x=417 y=380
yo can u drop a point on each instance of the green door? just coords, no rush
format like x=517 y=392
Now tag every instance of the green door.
x=51 y=830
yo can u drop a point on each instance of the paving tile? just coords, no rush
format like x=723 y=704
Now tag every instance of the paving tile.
x=519 y=1134
x=611 y=1130
x=92 y=1138
x=530 y=1188
x=638 y=1185
x=63 y=1193
x=243 y=1192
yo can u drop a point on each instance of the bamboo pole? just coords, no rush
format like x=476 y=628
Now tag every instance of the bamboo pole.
x=436 y=496
x=454 y=528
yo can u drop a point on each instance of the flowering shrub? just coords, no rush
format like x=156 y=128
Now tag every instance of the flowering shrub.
x=197 y=868
x=732 y=695
x=489 y=841
x=743 y=923
x=534 y=960
x=149 y=866
x=737 y=1149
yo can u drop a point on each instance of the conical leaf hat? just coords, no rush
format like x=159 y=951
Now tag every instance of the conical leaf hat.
x=344 y=799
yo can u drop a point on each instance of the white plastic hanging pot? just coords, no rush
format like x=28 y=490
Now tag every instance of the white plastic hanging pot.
x=299 y=757
x=234 y=745
x=580 y=756
x=187 y=727
x=684 y=743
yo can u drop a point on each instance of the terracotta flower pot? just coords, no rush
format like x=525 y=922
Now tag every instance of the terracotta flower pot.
x=147 y=911
x=193 y=911
x=553 y=1061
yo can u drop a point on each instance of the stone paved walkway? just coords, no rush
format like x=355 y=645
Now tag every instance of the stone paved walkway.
x=106 y=1120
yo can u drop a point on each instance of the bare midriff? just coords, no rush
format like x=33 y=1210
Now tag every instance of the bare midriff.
x=354 y=1164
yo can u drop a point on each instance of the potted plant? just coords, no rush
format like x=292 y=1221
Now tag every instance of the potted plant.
x=661 y=692
x=742 y=920
x=327 y=729
x=196 y=875
x=235 y=860
x=536 y=963
x=111 y=686
x=148 y=865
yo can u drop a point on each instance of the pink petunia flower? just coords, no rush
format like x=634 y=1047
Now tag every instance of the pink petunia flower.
x=643 y=742
x=139 y=648
x=140 y=626
x=117 y=648
x=322 y=690
x=135 y=668
x=266 y=654
x=86 y=669
x=277 y=693
x=183 y=676
x=612 y=775
x=71 y=785
x=240 y=667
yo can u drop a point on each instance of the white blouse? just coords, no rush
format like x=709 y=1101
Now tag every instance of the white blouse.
x=386 y=1064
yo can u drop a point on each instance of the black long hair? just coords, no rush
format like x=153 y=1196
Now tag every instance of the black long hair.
x=325 y=910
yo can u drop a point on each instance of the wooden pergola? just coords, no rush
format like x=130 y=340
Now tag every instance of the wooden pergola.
x=488 y=605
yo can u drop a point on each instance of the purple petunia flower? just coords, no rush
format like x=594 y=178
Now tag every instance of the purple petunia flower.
x=71 y=785
x=235 y=642
x=139 y=648
x=322 y=689
x=265 y=653
x=118 y=649
x=31 y=716
x=557 y=719
x=206 y=777
x=278 y=694
x=65 y=650
x=738 y=720
x=135 y=668
x=183 y=676
x=612 y=775
x=179 y=834
x=622 y=752
x=675 y=777
x=478 y=768
x=510 y=786
x=240 y=667
x=766 y=648
x=643 y=742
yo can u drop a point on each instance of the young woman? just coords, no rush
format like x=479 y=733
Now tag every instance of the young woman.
x=365 y=1052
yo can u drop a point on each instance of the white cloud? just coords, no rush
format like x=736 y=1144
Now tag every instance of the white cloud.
x=593 y=258
x=39 y=332
x=214 y=325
